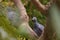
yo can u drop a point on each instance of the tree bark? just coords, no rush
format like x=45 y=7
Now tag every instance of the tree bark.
x=24 y=18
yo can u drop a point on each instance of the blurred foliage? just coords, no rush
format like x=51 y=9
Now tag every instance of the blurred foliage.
x=31 y=10
x=44 y=1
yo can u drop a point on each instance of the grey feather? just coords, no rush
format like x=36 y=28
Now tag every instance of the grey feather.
x=38 y=28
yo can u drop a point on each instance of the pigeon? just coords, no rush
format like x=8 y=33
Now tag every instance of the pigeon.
x=38 y=28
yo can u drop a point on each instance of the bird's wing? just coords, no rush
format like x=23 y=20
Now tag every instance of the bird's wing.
x=40 y=26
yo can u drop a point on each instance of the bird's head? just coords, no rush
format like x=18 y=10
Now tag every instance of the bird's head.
x=34 y=19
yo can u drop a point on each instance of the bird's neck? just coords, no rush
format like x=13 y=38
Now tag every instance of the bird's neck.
x=35 y=22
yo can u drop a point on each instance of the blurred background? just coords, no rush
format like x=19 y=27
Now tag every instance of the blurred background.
x=8 y=31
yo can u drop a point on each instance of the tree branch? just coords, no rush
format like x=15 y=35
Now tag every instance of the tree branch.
x=24 y=17
x=42 y=8
x=23 y=14
x=39 y=6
